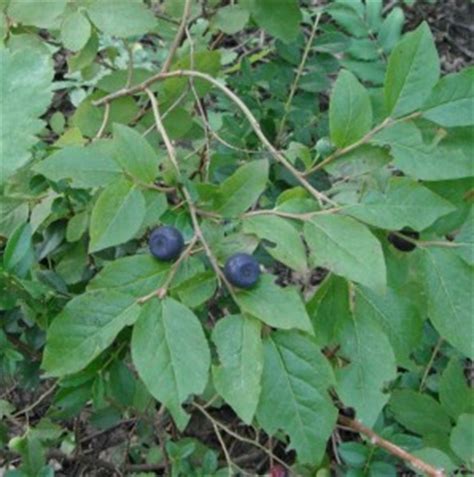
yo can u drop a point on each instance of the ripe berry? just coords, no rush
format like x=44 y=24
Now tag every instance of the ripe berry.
x=278 y=471
x=242 y=270
x=166 y=243
x=401 y=244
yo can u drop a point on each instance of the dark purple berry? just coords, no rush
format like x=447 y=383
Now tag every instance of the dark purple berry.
x=242 y=270
x=166 y=243
x=401 y=244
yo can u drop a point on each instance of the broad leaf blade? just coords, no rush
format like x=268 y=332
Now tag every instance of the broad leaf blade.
x=448 y=285
x=451 y=103
x=294 y=396
x=419 y=413
x=240 y=349
x=90 y=166
x=347 y=248
x=122 y=19
x=413 y=70
x=285 y=246
x=136 y=275
x=242 y=189
x=282 y=22
x=25 y=83
x=405 y=203
x=87 y=326
x=133 y=152
x=275 y=306
x=117 y=215
x=171 y=354
x=360 y=384
x=350 y=110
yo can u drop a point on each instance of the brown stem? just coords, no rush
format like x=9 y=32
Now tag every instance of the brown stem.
x=340 y=152
x=163 y=290
x=187 y=196
x=299 y=72
x=375 y=439
x=178 y=37
x=319 y=196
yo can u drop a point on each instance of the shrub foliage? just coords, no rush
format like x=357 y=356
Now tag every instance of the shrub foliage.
x=320 y=140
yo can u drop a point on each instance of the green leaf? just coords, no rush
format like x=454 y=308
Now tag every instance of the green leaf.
x=454 y=394
x=77 y=226
x=361 y=160
x=285 y=246
x=137 y=275
x=448 y=286
x=462 y=439
x=87 y=326
x=294 y=398
x=117 y=215
x=134 y=153
x=19 y=254
x=75 y=31
x=275 y=306
x=282 y=22
x=86 y=56
x=169 y=336
x=465 y=238
x=197 y=289
x=242 y=189
x=419 y=413
x=90 y=166
x=405 y=203
x=360 y=384
x=347 y=248
x=398 y=317
x=451 y=102
x=41 y=13
x=348 y=15
x=205 y=61
x=25 y=83
x=231 y=19
x=436 y=458
x=13 y=212
x=350 y=110
x=450 y=159
x=329 y=310
x=391 y=29
x=240 y=350
x=412 y=71
x=122 y=19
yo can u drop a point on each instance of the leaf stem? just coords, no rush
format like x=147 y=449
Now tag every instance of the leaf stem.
x=187 y=196
x=299 y=72
x=278 y=156
x=163 y=290
x=365 y=139
x=229 y=431
x=379 y=441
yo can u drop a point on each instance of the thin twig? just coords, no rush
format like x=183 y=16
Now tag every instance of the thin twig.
x=278 y=156
x=229 y=431
x=187 y=196
x=299 y=72
x=29 y=408
x=291 y=215
x=178 y=37
x=395 y=450
x=365 y=139
x=163 y=290
x=105 y=120
x=430 y=364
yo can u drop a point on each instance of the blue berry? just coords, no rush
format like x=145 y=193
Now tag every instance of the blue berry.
x=242 y=270
x=166 y=243
x=401 y=244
